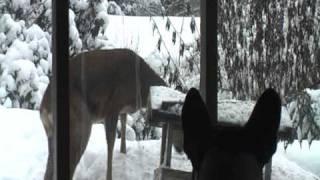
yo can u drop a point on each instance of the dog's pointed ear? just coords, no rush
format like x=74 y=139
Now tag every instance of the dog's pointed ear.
x=262 y=127
x=196 y=127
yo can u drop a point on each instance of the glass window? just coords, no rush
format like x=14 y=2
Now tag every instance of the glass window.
x=25 y=70
x=272 y=44
x=118 y=50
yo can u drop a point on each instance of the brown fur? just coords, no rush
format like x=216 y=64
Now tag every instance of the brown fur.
x=103 y=83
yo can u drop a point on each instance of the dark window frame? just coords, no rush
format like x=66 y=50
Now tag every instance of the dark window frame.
x=209 y=56
x=60 y=71
x=60 y=87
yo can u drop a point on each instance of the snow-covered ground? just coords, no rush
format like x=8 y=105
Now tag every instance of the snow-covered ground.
x=23 y=153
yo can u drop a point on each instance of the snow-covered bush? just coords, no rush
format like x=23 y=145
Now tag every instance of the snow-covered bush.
x=114 y=9
x=10 y=30
x=91 y=19
x=305 y=114
x=142 y=130
x=25 y=47
x=136 y=127
x=75 y=45
x=30 y=11
x=25 y=63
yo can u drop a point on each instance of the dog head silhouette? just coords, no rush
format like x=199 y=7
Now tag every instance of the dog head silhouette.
x=220 y=152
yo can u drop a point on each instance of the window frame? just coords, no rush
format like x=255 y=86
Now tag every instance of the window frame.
x=209 y=56
x=60 y=88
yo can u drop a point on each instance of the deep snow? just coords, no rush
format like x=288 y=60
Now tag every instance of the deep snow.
x=23 y=152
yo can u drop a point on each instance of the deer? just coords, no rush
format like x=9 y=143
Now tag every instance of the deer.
x=103 y=84
x=224 y=152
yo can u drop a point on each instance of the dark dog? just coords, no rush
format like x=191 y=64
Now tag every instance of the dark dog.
x=230 y=153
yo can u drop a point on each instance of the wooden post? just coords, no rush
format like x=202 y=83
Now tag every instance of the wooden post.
x=60 y=88
x=123 y=146
x=209 y=56
x=166 y=145
x=168 y=150
x=163 y=143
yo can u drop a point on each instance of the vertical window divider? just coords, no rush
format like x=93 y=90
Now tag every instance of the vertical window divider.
x=209 y=56
x=60 y=87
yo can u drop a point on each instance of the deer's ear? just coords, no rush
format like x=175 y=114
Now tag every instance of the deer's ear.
x=263 y=125
x=196 y=127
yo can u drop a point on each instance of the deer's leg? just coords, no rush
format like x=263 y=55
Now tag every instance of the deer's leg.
x=123 y=147
x=80 y=130
x=49 y=169
x=110 y=125
x=47 y=123
x=79 y=138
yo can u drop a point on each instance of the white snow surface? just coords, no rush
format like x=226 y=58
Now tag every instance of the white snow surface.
x=162 y=93
x=137 y=33
x=23 y=153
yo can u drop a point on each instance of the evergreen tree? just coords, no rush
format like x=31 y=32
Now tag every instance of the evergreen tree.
x=270 y=44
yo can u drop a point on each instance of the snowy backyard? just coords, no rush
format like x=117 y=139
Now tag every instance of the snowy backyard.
x=23 y=154
x=254 y=53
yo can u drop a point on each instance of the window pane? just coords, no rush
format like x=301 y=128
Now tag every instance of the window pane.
x=157 y=42
x=164 y=46
x=119 y=50
x=25 y=68
x=272 y=44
